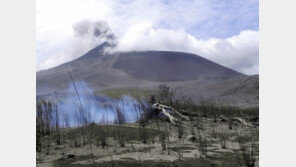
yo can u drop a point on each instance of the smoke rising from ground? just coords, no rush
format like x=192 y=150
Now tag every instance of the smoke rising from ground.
x=98 y=109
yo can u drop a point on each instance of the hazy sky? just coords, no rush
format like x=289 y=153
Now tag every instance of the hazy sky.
x=224 y=31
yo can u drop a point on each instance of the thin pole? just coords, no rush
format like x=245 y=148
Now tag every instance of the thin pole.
x=74 y=86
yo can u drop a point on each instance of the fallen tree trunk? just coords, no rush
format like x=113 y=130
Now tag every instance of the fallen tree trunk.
x=169 y=112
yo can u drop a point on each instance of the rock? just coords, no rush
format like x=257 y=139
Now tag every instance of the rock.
x=59 y=147
x=132 y=148
x=242 y=121
x=66 y=157
x=223 y=119
x=235 y=120
x=71 y=156
x=191 y=138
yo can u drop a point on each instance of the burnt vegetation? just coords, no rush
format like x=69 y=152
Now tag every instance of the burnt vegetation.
x=176 y=130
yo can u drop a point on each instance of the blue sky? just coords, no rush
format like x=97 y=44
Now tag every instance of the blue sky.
x=224 y=31
x=212 y=18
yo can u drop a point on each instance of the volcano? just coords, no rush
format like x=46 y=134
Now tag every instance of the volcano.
x=193 y=75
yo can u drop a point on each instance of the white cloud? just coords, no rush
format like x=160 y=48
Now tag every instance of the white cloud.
x=239 y=52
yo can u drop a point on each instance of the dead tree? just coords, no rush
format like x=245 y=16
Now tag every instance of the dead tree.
x=120 y=119
x=57 y=124
x=92 y=125
x=166 y=94
x=39 y=126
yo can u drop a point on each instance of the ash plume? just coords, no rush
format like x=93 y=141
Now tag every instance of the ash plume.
x=97 y=31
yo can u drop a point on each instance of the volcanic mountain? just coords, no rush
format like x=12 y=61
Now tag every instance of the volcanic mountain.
x=191 y=74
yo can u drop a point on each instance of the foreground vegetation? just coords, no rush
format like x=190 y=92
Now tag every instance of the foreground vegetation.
x=214 y=135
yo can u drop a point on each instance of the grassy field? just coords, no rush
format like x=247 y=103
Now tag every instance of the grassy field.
x=117 y=93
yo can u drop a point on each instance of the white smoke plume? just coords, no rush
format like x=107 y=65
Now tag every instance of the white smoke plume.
x=95 y=31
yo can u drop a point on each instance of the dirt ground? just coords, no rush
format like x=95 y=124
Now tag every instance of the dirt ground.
x=222 y=147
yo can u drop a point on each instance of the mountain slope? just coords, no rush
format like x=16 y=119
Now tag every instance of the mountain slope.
x=170 y=66
x=189 y=73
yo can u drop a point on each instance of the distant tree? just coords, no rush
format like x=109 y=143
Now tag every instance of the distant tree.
x=119 y=117
x=166 y=94
x=152 y=99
